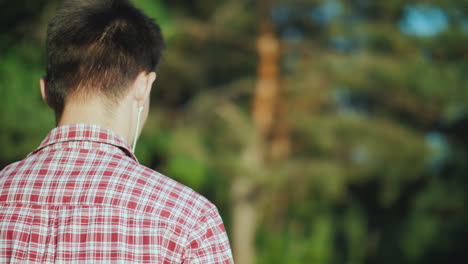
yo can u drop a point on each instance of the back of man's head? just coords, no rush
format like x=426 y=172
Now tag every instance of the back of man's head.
x=98 y=47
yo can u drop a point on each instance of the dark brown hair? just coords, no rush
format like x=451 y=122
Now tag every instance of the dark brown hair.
x=98 y=47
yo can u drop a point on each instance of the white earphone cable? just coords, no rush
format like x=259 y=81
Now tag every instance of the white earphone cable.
x=140 y=109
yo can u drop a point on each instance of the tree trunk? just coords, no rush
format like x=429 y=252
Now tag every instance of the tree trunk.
x=264 y=111
x=244 y=221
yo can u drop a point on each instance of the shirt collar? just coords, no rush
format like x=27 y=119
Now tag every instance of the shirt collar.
x=85 y=132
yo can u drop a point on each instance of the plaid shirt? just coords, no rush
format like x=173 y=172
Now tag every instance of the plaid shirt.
x=82 y=197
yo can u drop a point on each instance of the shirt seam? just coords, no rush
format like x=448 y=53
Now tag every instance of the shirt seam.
x=96 y=205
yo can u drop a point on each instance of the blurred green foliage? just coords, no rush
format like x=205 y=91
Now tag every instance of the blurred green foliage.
x=378 y=121
x=25 y=118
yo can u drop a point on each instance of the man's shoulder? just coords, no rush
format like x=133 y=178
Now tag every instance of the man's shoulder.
x=12 y=168
x=169 y=198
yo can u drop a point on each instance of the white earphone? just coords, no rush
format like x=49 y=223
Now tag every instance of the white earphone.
x=140 y=110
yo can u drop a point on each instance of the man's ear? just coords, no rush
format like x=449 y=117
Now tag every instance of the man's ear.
x=43 y=85
x=143 y=84
x=151 y=77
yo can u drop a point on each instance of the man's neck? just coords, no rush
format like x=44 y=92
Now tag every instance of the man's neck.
x=95 y=112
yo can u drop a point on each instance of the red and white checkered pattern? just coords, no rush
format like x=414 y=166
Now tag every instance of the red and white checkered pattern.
x=82 y=197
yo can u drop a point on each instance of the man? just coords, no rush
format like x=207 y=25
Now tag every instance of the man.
x=82 y=197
